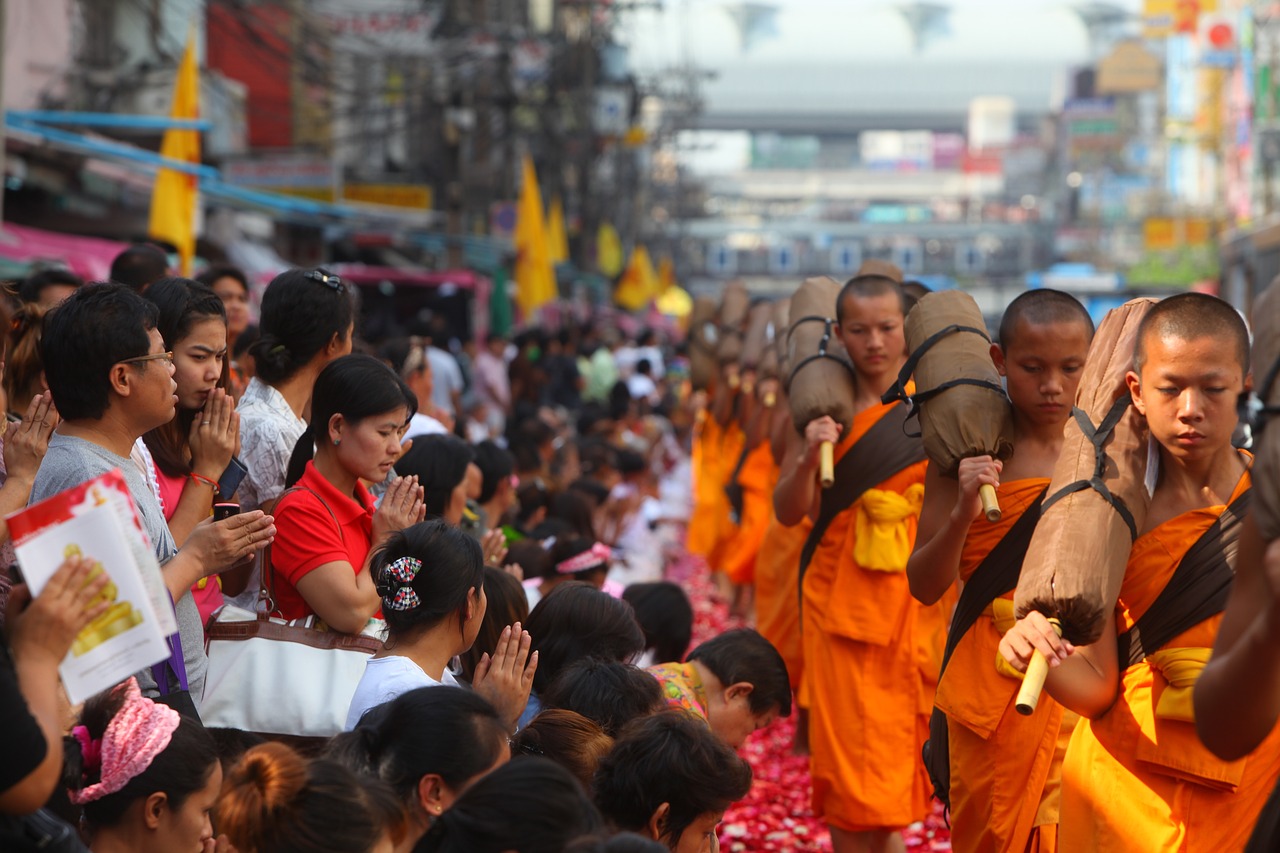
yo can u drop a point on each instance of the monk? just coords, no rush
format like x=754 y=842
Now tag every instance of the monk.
x=859 y=622
x=1000 y=761
x=1136 y=776
x=752 y=482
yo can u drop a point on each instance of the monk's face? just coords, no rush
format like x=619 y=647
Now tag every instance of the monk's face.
x=1042 y=366
x=1188 y=391
x=871 y=329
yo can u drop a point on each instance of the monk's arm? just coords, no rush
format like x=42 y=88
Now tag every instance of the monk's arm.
x=1237 y=697
x=796 y=494
x=940 y=537
x=1084 y=679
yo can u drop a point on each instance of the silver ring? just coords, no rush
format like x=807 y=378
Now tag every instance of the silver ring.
x=204 y=423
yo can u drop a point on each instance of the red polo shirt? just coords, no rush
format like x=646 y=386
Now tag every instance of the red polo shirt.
x=307 y=538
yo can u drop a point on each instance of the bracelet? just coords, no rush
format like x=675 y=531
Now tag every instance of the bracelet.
x=213 y=484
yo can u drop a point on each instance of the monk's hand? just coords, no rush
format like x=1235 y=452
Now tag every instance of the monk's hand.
x=817 y=433
x=1033 y=633
x=973 y=474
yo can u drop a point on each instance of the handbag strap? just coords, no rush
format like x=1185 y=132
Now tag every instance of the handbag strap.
x=266 y=588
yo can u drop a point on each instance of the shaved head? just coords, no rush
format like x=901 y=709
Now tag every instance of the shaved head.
x=1190 y=316
x=1043 y=307
x=867 y=286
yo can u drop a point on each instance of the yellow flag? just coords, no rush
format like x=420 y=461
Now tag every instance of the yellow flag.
x=639 y=284
x=173 y=199
x=557 y=238
x=608 y=250
x=534 y=274
x=666 y=274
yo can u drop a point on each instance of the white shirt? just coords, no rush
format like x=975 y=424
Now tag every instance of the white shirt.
x=268 y=432
x=641 y=387
x=386 y=678
x=446 y=377
x=421 y=424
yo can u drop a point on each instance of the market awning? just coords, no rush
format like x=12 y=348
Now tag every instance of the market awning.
x=88 y=257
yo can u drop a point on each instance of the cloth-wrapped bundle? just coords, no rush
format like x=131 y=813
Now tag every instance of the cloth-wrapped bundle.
x=884 y=269
x=1098 y=496
x=703 y=337
x=1266 y=436
x=961 y=402
x=734 y=305
x=781 y=326
x=757 y=337
x=821 y=378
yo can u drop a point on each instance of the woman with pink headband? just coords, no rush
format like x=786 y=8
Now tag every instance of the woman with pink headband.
x=149 y=776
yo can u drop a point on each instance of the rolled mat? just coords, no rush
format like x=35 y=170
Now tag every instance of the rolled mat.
x=703 y=337
x=732 y=320
x=821 y=378
x=1266 y=436
x=1098 y=497
x=959 y=398
x=759 y=319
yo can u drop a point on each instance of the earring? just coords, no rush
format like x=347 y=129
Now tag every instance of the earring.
x=337 y=441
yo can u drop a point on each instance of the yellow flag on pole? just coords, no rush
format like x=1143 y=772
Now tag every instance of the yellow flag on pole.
x=173 y=199
x=535 y=277
x=639 y=284
x=557 y=238
x=609 y=257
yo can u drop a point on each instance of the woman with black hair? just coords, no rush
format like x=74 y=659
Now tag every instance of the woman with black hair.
x=327 y=527
x=430 y=578
x=429 y=745
x=232 y=287
x=192 y=451
x=440 y=464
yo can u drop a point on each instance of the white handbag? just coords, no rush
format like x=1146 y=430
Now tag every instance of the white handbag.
x=275 y=676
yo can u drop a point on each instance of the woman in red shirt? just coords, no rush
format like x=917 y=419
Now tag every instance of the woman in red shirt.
x=326 y=524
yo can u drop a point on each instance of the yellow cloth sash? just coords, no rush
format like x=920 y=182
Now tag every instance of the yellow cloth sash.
x=1181 y=668
x=1001 y=611
x=882 y=540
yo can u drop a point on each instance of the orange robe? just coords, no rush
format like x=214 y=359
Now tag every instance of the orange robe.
x=1136 y=781
x=726 y=459
x=862 y=676
x=1000 y=760
x=778 y=591
x=708 y=492
x=758 y=476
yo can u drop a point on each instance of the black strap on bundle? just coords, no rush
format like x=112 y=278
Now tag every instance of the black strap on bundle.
x=1098 y=437
x=898 y=391
x=996 y=575
x=1197 y=590
x=733 y=489
x=882 y=451
x=829 y=324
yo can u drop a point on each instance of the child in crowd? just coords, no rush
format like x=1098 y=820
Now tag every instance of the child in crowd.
x=665 y=615
x=608 y=693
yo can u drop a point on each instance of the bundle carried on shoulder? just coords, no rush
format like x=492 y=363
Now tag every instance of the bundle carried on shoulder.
x=756 y=340
x=1097 y=499
x=821 y=378
x=734 y=304
x=961 y=403
x=703 y=339
x=1266 y=436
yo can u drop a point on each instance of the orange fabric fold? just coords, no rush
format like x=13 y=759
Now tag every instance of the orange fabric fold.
x=1132 y=781
x=757 y=478
x=778 y=592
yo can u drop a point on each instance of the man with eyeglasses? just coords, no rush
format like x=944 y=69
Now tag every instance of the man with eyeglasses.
x=112 y=381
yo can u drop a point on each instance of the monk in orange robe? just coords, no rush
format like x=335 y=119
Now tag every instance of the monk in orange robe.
x=755 y=479
x=1001 y=763
x=1136 y=776
x=859 y=622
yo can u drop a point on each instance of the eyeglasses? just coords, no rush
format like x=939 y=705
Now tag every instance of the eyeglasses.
x=328 y=279
x=155 y=356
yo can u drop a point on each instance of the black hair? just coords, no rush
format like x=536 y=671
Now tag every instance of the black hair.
x=91 y=331
x=531 y=496
x=496 y=465
x=506 y=605
x=622 y=842
x=527 y=440
x=1042 y=306
x=530 y=555
x=452 y=567
x=866 y=286
x=620 y=400
x=450 y=732
x=139 y=265
x=181 y=303
x=596 y=455
x=595 y=490
x=181 y=769
x=532 y=805
x=33 y=285
x=575 y=621
x=356 y=387
x=244 y=340
x=300 y=315
x=232 y=744
x=590 y=416
x=665 y=615
x=608 y=693
x=743 y=655
x=630 y=462
x=572 y=545
x=440 y=464
x=669 y=757
x=216 y=273
x=644 y=367
x=1191 y=315
x=576 y=508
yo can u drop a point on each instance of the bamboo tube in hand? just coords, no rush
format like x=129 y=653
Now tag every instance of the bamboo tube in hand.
x=827 y=465
x=990 y=504
x=1033 y=681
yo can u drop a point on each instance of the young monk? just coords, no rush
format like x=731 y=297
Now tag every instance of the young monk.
x=1000 y=761
x=859 y=627
x=1135 y=775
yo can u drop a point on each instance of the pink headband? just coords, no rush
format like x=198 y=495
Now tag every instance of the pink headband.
x=597 y=555
x=139 y=732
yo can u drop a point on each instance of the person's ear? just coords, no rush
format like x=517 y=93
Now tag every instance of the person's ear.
x=740 y=690
x=153 y=809
x=337 y=343
x=336 y=423
x=997 y=358
x=657 y=826
x=434 y=795
x=121 y=379
x=1248 y=382
x=1135 y=391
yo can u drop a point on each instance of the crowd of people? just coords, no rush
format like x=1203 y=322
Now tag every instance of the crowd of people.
x=497 y=518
